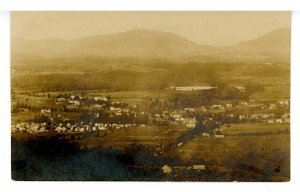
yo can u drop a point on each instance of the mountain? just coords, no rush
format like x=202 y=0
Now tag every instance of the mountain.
x=142 y=42
x=138 y=42
x=146 y=43
x=274 y=46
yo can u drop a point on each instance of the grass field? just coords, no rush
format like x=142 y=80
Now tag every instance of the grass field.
x=237 y=129
x=268 y=153
x=129 y=94
x=151 y=135
x=22 y=117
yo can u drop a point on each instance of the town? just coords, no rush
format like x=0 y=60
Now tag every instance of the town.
x=103 y=114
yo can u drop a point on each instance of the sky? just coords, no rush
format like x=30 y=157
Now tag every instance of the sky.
x=205 y=28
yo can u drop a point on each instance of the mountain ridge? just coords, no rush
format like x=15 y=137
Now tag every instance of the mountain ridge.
x=274 y=45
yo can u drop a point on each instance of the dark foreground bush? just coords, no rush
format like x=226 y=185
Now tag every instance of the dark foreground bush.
x=55 y=159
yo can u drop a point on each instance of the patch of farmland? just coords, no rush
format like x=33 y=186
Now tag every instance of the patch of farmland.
x=22 y=117
x=266 y=153
x=129 y=94
x=236 y=129
x=152 y=135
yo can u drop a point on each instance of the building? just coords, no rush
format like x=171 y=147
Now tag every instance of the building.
x=61 y=99
x=228 y=105
x=190 y=120
x=240 y=88
x=166 y=169
x=45 y=111
x=100 y=99
x=189 y=109
x=284 y=102
x=115 y=109
x=74 y=102
x=244 y=103
x=219 y=136
x=219 y=107
x=191 y=125
x=271 y=121
x=279 y=120
x=199 y=167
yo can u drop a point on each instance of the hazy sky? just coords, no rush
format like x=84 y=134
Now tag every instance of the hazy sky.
x=206 y=28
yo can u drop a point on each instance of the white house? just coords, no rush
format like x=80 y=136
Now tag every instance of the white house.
x=166 y=169
x=61 y=99
x=100 y=99
x=102 y=128
x=114 y=108
x=219 y=107
x=191 y=125
x=45 y=110
x=240 y=88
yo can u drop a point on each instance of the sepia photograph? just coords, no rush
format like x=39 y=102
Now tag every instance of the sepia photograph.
x=200 y=96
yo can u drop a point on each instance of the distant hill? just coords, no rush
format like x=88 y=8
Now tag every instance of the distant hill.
x=274 y=46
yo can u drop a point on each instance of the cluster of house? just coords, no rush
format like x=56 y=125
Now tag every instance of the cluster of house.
x=267 y=117
x=166 y=169
x=29 y=128
x=79 y=100
x=91 y=127
x=252 y=103
x=176 y=117
x=67 y=128
x=217 y=133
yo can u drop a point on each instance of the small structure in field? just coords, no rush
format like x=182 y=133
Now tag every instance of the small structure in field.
x=166 y=169
x=219 y=136
x=199 y=167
